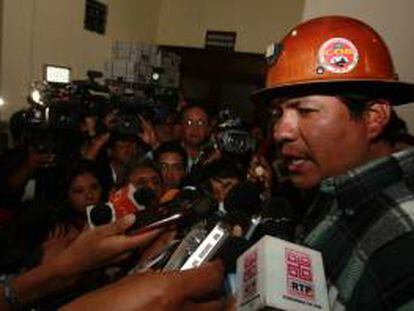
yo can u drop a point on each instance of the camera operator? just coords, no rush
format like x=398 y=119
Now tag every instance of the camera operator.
x=26 y=170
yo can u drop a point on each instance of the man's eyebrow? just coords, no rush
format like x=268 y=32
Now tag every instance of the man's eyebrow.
x=293 y=103
x=287 y=102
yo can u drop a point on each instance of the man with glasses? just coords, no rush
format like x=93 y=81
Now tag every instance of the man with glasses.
x=195 y=125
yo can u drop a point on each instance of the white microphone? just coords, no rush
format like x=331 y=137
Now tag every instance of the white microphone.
x=209 y=246
x=187 y=247
x=274 y=273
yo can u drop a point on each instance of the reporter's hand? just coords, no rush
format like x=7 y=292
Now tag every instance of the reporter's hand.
x=260 y=171
x=193 y=289
x=59 y=239
x=100 y=246
x=148 y=134
x=91 y=150
x=111 y=119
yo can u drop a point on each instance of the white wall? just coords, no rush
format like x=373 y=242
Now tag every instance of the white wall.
x=39 y=32
x=392 y=19
x=257 y=23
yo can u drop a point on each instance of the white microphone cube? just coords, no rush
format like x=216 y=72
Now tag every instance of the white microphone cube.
x=278 y=274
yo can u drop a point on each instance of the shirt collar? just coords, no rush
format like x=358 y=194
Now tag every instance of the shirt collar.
x=363 y=183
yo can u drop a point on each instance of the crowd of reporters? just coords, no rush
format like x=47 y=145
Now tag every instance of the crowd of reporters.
x=45 y=191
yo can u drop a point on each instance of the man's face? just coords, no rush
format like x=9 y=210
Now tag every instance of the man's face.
x=318 y=138
x=123 y=151
x=172 y=169
x=147 y=177
x=195 y=127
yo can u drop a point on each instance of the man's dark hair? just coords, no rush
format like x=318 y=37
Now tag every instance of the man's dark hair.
x=184 y=111
x=358 y=105
x=173 y=147
x=225 y=167
x=79 y=167
x=116 y=137
x=139 y=164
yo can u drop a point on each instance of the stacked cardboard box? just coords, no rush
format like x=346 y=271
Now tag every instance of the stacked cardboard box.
x=136 y=62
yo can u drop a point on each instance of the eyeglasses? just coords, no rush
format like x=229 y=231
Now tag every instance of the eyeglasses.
x=195 y=123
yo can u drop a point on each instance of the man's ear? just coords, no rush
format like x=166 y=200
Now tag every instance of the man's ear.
x=377 y=117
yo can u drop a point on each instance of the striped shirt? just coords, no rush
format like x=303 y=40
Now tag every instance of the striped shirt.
x=363 y=223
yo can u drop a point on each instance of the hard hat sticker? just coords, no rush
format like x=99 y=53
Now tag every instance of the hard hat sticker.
x=338 y=55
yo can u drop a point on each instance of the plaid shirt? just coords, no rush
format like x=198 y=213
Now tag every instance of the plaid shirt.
x=363 y=223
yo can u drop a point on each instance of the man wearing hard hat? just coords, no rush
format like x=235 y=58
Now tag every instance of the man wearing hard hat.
x=331 y=87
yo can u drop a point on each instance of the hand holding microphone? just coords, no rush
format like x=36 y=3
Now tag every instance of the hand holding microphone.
x=100 y=246
x=89 y=250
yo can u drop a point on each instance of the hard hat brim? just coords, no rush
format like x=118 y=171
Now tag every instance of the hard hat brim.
x=398 y=93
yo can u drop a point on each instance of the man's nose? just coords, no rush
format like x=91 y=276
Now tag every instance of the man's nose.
x=285 y=128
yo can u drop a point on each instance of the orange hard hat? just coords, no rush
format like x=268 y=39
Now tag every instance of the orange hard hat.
x=333 y=55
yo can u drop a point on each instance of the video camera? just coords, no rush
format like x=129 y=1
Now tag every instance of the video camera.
x=232 y=136
x=56 y=109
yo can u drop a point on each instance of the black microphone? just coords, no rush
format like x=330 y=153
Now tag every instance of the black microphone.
x=144 y=196
x=276 y=219
x=245 y=197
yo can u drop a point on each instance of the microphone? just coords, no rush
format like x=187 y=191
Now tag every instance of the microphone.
x=208 y=239
x=281 y=275
x=244 y=197
x=188 y=206
x=130 y=199
x=246 y=207
x=245 y=211
x=187 y=246
x=209 y=246
x=276 y=219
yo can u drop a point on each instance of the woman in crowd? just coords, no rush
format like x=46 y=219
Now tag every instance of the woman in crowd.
x=80 y=188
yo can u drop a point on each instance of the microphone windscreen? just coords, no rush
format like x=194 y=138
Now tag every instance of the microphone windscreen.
x=278 y=220
x=144 y=196
x=278 y=207
x=238 y=218
x=245 y=197
x=198 y=201
x=100 y=214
